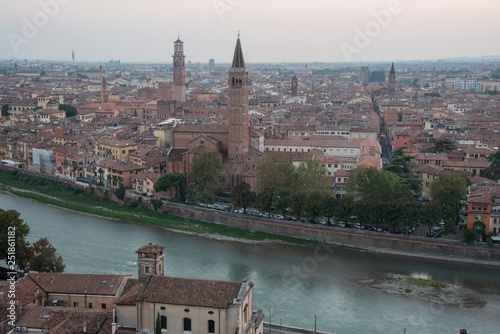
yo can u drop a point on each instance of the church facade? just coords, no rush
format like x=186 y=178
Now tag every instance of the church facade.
x=235 y=142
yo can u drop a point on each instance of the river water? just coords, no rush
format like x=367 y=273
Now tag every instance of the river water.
x=292 y=283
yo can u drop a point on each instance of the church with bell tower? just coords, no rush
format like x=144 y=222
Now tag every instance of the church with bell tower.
x=179 y=71
x=239 y=147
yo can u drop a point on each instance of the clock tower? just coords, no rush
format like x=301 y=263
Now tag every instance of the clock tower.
x=179 y=71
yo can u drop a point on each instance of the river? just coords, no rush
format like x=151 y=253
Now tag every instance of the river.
x=292 y=283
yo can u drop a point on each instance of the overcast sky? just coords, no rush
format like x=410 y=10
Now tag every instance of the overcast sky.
x=271 y=30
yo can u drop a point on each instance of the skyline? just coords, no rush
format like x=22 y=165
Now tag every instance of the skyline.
x=278 y=32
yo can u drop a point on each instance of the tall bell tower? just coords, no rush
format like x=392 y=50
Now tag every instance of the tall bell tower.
x=239 y=126
x=179 y=71
x=392 y=80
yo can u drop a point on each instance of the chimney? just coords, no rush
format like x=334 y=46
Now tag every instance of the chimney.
x=463 y=331
x=52 y=280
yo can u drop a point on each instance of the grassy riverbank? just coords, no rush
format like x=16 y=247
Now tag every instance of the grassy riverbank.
x=62 y=195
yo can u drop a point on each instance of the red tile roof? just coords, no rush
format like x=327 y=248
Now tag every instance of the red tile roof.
x=190 y=292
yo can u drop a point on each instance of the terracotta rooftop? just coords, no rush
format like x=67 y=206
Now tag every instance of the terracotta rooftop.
x=60 y=319
x=92 y=284
x=150 y=249
x=190 y=292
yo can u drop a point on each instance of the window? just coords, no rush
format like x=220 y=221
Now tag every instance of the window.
x=211 y=326
x=187 y=324
x=90 y=305
x=163 y=322
x=75 y=304
x=147 y=270
x=103 y=306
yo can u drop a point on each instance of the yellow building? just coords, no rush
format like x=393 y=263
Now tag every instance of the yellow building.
x=114 y=149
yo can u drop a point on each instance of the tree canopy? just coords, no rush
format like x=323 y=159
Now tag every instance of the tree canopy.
x=451 y=191
x=207 y=172
x=242 y=196
x=439 y=145
x=174 y=183
x=5 y=110
x=404 y=167
x=310 y=177
x=70 y=109
x=41 y=256
x=493 y=171
x=10 y=221
x=379 y=196
x=371 y=184
x=274 y=172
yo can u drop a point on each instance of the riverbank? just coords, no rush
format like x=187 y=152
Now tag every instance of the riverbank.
x=225 y=226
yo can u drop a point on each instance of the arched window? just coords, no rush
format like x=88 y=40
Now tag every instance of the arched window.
x=187 y=324
x=211 y=326
x=163 y=321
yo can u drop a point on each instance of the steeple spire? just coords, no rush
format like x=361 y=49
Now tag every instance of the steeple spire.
x=392 y=69
x=238 y=61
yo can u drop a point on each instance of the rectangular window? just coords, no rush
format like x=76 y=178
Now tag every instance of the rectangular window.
x=103 y=306
x=75 y=304
x=90 y=305
x=187 y=324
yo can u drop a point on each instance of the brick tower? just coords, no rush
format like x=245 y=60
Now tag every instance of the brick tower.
x=239 y=126
x=179 y=71
x=150 y=260
x=392 y=80
x=295 y=85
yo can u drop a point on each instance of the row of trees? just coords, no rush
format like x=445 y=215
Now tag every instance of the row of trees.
x=41 y=256
x=378 y=197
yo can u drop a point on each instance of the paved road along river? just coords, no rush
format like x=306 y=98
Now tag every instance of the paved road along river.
x=293 y=283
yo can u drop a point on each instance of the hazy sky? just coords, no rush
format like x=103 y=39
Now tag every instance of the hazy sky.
x=271 y=30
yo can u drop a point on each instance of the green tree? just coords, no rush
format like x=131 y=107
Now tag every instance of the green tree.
x=174 y=182
x=282 y=201
x=489 y=242
x=70 y=109
x=158 y=324
x=192 y=193
x=439 y=145
x=156 y=203
x=404 y=167
x=371 y=184
x=451 y=191
x=314 y=204
x=493 y=171
x=274 y=172
x=470 y=236
x=379 y=195
x=242 y=196
x=432 y=214
x=207 y=172
x=310 y=177
x=329 y=203
x=480 y=228
x=43 y=258
x=12 y=226
x=265 y=200
x=5 y=110
x=344 y=208
x=120 y=191
x=298 y=202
